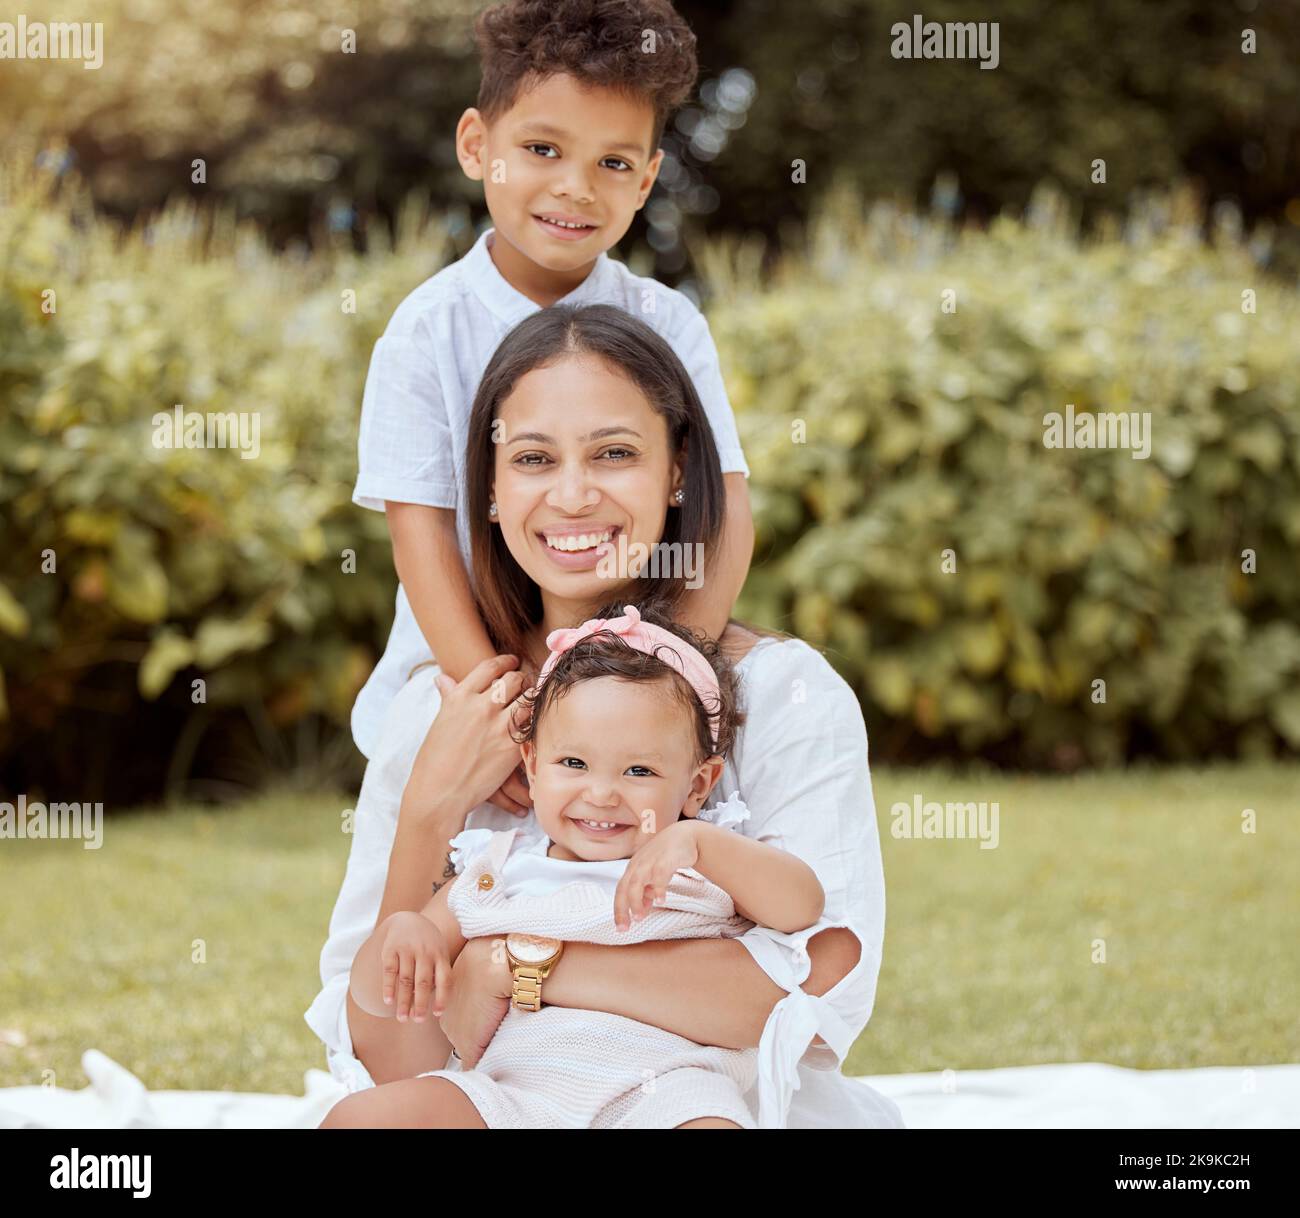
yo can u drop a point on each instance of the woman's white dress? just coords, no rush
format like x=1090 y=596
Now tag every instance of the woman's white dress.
x=800 y=765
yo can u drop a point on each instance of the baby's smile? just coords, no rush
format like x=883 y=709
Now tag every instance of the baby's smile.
x=601 y=828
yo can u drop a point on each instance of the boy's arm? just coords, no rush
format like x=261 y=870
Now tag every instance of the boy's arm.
x=766 y=885
x=708 y=607
x=432 y=571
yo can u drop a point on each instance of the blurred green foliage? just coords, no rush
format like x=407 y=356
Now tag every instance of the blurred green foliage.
x=171 y=560
x=1160 y=91
x=299 y=134
x=285 y=120
x=923 y=431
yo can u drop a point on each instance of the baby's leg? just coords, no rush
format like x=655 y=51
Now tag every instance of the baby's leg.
x=410 y=1103
x=686 y=1097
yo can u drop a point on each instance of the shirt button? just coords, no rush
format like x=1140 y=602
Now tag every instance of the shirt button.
x=485 y=881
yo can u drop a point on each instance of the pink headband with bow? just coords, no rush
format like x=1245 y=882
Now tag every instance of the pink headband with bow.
x=653 y=640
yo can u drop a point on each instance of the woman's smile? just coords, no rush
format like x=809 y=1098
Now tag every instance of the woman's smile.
x=578 y=548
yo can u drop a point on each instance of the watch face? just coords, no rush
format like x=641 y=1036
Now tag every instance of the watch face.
x=532 y=949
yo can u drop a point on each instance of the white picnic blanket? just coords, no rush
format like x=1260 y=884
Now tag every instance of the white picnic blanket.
x=1076 y=1096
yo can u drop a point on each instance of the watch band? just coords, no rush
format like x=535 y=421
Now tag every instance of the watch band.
x=526 y=989
x=526 y=979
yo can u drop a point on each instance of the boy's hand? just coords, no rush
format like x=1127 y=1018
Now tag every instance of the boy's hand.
x=649 y=870
x=415 y=965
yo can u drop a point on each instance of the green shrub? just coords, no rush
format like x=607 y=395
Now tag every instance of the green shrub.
x=174 y=564
x=925 y=433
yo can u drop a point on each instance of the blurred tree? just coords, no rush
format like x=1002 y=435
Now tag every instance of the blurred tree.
x=1159 y=91
x=302 y=115
x=310 y=138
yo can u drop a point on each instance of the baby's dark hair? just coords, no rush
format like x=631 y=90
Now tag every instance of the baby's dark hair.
x=605 y=654
x=640 y=48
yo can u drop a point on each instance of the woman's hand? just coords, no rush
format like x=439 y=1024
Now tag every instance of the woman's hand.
x=479 y=998
x=469 y=751
x=513 y=795
x=416 y=966
x=645 y=879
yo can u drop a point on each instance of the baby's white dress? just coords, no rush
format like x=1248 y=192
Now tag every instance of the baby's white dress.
x=562 y=1068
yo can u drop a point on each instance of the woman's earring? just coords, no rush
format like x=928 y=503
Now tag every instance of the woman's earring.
x=679 y=496
x=492 y=511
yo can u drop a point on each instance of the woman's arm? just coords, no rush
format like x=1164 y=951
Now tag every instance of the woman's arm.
x=420 y=865
x=702 y=989
x=415 y=795
x=444 y=786
x=710 y=991
x=802 y=768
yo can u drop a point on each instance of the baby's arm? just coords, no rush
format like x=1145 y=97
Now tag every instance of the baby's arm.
x=432 y=571
x=766 y=885
x=366 y=983
x=707 y=608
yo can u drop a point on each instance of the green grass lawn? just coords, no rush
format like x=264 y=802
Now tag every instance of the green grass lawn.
x=988 y=953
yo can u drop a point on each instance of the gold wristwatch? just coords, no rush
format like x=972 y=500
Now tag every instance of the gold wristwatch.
x=531 y=959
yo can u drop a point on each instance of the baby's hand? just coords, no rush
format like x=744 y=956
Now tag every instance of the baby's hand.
x=650 y=869
x=415 y=965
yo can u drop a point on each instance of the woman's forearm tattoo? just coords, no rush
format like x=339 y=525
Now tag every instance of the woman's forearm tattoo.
x=448 y=873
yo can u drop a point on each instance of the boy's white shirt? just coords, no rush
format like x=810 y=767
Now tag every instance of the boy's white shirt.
x=424 y=372
x=800 y=766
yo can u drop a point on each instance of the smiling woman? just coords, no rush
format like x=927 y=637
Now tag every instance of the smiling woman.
x=537 y=470
x=629 y=444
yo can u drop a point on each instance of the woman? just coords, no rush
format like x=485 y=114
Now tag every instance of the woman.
x=585 y=420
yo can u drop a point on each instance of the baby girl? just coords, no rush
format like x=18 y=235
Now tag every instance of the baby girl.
x=630 y=722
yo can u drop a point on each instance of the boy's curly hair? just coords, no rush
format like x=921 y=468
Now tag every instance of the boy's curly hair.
x=599 y=42
x=605 y=654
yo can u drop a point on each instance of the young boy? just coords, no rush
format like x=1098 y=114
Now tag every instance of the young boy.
x=573 y=101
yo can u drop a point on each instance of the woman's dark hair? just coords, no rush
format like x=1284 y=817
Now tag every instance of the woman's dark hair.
x=606 y=654
x=509 y=601
x=599 y=42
